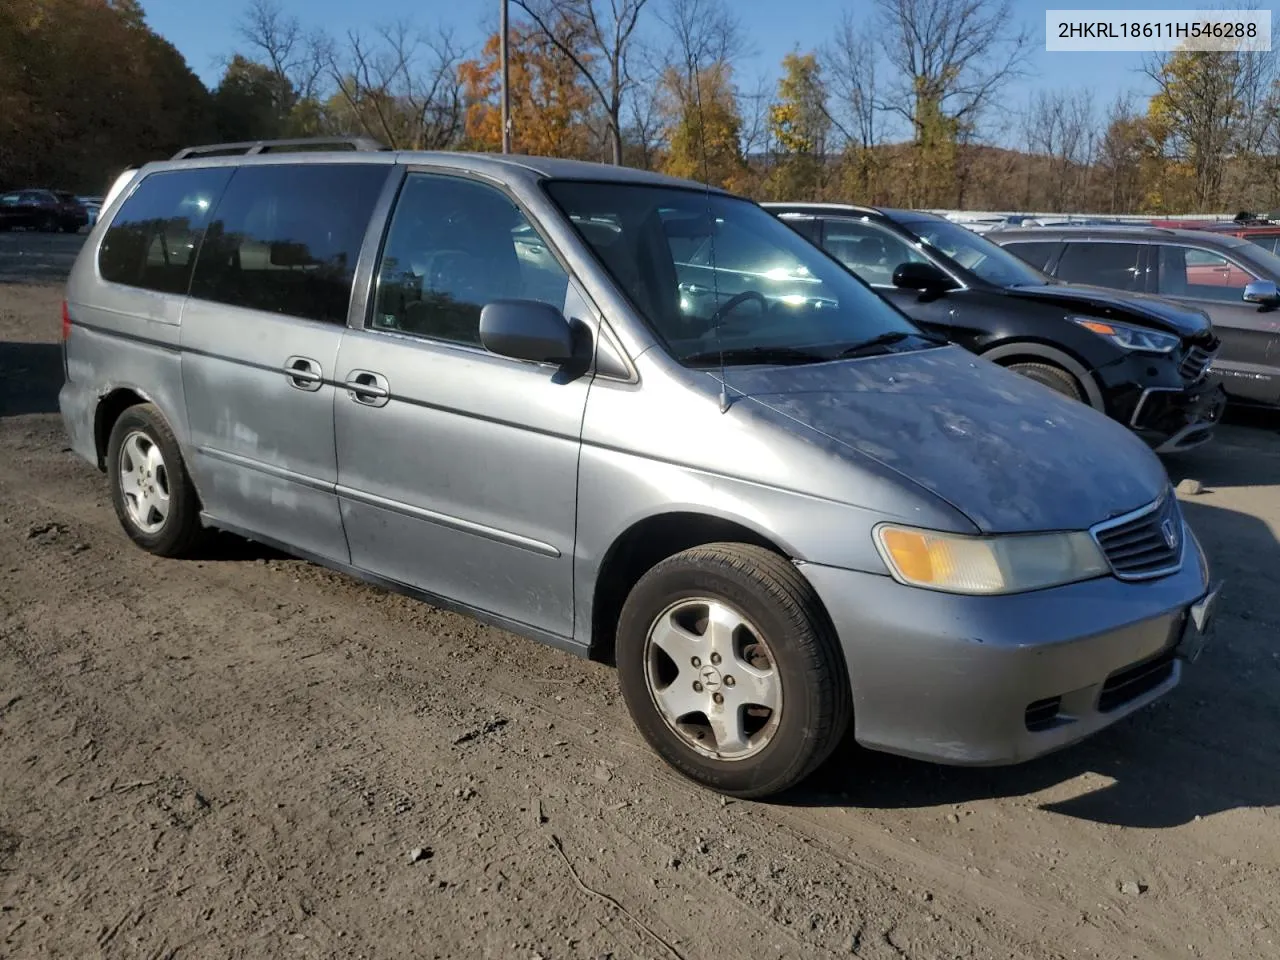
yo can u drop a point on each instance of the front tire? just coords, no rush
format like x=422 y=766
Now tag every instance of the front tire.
x=731 y=670
x=1051 y=376
x=150 y=489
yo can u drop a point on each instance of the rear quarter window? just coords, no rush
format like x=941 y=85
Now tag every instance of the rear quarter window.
x=1038 y=253
x=152 y=240
x=285 y=238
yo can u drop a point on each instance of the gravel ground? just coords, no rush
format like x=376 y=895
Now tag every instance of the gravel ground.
x=250 y=756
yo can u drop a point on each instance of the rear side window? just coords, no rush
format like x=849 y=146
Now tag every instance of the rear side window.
x=286 y=238
x=1037 y=253
x=152 y=241
x=1114 y=265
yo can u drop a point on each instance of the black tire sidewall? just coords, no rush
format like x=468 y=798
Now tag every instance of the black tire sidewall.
x=1055 y=378
x=789 y=754
x=183 y=522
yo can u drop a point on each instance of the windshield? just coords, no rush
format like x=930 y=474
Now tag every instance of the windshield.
x=714 y=273
x=992 y=263
x=1258 y=257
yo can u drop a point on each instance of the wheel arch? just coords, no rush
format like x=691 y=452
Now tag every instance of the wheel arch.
x=646 y=543
x=108 y=410
x=1008 y=353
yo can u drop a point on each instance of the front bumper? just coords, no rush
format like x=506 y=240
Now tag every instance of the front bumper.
x=1176 y=419
x=988 y=681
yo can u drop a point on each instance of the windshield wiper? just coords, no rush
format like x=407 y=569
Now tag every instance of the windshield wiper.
x=888 y=339
x=759 y=354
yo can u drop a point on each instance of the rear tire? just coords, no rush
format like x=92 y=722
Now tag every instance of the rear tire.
x=154 y=498
x=1053 y=377
x=49 y=225
x=731 y=670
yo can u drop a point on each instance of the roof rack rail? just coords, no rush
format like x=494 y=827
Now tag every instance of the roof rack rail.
x=300 y=144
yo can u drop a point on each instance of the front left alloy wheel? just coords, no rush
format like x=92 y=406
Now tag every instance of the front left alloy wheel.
x=731 y=670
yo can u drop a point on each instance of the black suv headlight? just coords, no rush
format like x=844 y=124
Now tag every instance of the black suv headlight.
x=1130 y=338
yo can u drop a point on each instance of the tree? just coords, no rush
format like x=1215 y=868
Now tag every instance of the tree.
x=550 y=102
x=704 y=137
x=252 y=102
x=1123 y=153
x=951 y=58
x=602 y=52
x=799 y=125
x=87 y=88
x=1195 y=116
x=400 y=87
x=1060 y=129
x=851 y=61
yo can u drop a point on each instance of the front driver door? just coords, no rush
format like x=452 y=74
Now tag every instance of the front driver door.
x=1249 y=359
x=457 y=468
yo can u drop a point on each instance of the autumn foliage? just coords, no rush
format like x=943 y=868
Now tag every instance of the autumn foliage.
x=550 y=103
x=909 y=103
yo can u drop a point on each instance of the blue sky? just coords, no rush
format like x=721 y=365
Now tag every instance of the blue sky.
x=205 y=34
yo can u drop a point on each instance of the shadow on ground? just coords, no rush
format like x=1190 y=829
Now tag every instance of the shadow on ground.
x=30 y=377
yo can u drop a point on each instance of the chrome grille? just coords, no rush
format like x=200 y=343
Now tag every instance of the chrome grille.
x=1196 y=363
x=1144 y=544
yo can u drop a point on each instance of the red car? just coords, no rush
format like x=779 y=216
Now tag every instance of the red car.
x=1265 y=233
x=47 y=210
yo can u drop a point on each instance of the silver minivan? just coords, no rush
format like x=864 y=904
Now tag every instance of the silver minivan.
x=503 y=385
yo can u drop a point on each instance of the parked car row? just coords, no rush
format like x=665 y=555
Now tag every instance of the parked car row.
x=1232 y=280
x=48 y=210
x=1141 y=360
x=650 y=422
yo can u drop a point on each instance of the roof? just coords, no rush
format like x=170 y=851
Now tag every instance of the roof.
x=1203 y=238
x=495 y=165
x=1104 y=231
x=890 y=213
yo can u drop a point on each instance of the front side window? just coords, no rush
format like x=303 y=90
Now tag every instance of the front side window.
x=1201 y=274
x=152 y=240
x=712 y=273
x=455 y=245
x=975 y=253
x=285 y=238
x=868 y=249
x=1114 y=265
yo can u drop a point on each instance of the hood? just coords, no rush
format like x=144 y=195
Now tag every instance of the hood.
x=1118 y=305
x=1008 y=453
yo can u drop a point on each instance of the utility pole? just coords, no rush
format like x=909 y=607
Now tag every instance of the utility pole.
x=506 y=92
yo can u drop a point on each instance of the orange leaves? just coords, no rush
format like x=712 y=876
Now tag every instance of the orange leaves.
x=550 y=103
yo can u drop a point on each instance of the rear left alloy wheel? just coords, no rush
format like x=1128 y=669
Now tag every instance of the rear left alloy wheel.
x=731 y=670
x=150 y=489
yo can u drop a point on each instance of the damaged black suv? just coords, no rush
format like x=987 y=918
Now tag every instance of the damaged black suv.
x=1141 y=360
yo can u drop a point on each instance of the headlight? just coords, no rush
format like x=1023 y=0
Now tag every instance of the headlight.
x=1131 y=338
x=988 y=565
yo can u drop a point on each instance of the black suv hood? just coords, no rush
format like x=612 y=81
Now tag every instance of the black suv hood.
x=1115 y=305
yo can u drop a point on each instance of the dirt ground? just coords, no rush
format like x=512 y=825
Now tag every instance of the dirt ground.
x=240 y=757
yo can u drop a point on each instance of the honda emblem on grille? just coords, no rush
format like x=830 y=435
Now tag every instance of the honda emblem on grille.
x=1170 y=534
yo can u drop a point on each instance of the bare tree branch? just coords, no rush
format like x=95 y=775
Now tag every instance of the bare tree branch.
x=604 y=59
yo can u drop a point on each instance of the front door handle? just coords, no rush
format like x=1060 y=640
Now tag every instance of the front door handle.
x=303 y=373
x=367 y=387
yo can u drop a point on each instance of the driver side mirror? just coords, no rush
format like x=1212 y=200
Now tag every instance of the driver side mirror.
x=526 y=330
x=924 y=277
x=1262 y=292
